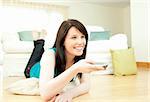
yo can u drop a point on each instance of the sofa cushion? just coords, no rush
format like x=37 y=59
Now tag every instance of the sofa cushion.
x=14 y=64
x=25 y=35
x=118 y=41
x=98 y=46
x=16 y=47
x=9 y=37
x=124 y=62
x=99 y=35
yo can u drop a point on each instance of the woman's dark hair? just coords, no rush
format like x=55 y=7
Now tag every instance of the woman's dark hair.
x=60 y=50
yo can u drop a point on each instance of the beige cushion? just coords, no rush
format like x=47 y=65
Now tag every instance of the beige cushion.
x=28 y=86
x=124 y=62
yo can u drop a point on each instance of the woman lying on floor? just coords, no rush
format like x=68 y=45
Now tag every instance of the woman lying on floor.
x=62 y=64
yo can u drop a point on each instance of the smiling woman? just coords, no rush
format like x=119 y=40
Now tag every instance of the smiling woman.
x=63 y=63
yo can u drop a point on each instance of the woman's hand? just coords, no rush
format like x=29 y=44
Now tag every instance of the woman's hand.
x=87 y=66
x=63 y=97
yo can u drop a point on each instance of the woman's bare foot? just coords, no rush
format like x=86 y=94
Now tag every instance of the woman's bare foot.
x=43 y=33
x=35 y=35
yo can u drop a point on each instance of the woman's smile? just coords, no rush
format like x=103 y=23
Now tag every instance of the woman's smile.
x=79 y=48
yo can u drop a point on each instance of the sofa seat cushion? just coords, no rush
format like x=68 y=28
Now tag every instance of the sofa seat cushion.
x=25 y=35
x=14 y=64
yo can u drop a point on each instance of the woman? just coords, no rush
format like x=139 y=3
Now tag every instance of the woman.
x=60 y=64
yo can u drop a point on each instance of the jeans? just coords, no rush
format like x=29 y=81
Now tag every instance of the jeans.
x=35 y=56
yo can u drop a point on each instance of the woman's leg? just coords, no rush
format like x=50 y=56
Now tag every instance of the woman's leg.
x=35 y=56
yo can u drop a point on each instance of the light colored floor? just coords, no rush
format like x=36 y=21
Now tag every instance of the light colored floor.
x=104 y=88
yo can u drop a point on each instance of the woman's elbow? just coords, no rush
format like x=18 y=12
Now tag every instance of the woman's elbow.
x=46 y=96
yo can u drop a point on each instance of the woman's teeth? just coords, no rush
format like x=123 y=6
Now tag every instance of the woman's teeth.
x=80 y=48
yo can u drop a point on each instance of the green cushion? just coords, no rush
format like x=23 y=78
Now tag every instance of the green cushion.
x=25 y=35
x=103 y=35
x=124 y=62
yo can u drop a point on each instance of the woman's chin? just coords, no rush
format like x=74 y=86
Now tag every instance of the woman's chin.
x=79 y=54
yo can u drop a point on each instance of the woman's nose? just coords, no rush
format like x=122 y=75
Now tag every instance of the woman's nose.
x=80 y=41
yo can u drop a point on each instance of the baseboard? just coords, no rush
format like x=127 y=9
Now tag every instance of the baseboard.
x=143 y=64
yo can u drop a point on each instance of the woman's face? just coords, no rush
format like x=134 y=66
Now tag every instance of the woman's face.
x=74 y=42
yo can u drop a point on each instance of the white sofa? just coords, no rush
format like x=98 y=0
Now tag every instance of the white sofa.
x=99 y=51
x=17 y=53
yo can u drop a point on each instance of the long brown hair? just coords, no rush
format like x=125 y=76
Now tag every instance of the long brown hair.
x=60 y=50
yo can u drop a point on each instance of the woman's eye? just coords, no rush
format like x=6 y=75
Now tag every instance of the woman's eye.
x=82 y=36
x=73 y=37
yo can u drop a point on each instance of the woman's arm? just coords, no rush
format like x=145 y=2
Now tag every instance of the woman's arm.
x=76 y=91
x=49 y=86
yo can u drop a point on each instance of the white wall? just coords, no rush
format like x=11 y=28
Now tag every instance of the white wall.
x=1 y=52
x=113 y=18
x=127 y=23
x=22 y=19
x=110 y=18
x=139 y=29
x=148 y=4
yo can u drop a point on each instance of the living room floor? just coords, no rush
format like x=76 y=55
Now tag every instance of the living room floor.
x=104 y=88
